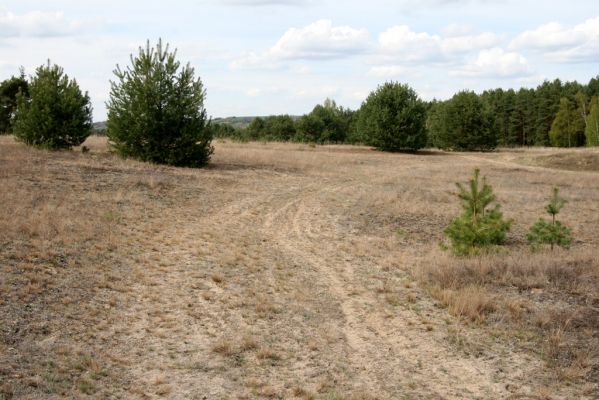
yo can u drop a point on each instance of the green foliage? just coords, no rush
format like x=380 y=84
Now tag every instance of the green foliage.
x=478 y=226
x=393 y=118
x=156 y=111
x=55 y=115
x=309 y=128
x=591 y=131
x=522 y=120
x=9 y=89
x=463 y=123
x=326 y=123
x=501 y=104
x=567 y=129
x=551 y=232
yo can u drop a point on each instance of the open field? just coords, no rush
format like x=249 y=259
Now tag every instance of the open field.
x=290 y=271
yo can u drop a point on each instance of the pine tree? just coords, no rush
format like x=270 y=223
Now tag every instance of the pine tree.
x=554 y=232
x=478 y=226
x=592 y=130
x=568 y=126
x=156 y=111
x=548 y=98
x=393 y=118
x=9 y=89
x=522 y=119
x=55 y=115
x=464 y=123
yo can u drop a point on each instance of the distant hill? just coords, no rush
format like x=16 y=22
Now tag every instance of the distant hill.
x=242 y=122
x=99 y=128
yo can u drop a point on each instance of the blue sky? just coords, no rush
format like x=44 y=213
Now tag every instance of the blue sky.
x=261 y=57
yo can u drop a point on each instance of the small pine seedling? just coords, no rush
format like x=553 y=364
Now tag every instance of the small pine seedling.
x=478 y=225
x=554 y=232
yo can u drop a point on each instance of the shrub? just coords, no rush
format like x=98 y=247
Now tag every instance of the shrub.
x=554 y=232
x=156 y=111
x=393 y=118
x=477 y=226
x=56 y=115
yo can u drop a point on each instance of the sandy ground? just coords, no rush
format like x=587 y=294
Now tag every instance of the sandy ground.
x=281 y=271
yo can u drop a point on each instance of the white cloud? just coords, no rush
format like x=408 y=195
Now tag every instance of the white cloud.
x=36 y=24
x=467 y=43
x=401 y=42
x=319 y=40
x=561 y=43
x=495 y=63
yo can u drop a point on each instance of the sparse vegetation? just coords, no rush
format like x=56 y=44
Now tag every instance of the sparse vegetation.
x=286 y=270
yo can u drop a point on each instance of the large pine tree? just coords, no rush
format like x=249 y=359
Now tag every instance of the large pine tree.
x=156 y=111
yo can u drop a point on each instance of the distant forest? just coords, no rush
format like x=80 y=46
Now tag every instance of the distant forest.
x=555 y=113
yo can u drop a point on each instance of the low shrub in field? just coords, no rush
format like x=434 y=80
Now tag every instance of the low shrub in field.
x=478 y=226
x=553 y=232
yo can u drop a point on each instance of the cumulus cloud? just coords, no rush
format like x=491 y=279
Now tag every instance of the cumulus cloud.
x=561 y=43
x=36 y=24
x=495 y=62
x=319 y=40
x=400 y=41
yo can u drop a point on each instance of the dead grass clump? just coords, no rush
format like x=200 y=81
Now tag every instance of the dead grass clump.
x=559 y=269
x=266 y=353
x=471 y=302
x=223 y=347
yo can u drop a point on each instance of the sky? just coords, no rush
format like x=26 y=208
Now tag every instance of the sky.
x=265 y=57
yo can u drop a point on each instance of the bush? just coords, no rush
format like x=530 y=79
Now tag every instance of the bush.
x=392 y=118
x=56 y=115
x=477 y=227
x=462 y=123
x=9 y=89
x=554 y=232
x=156 y=111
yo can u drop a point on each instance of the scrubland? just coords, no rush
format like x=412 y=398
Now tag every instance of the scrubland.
x=291 y=271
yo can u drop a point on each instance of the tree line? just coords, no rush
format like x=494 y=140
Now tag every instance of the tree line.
x=555 y=113
x=156 y=113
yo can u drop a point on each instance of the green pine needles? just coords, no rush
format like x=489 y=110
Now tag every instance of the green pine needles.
x=156 y=111
x=479 y=225
x=551 y=232
x=55 y=115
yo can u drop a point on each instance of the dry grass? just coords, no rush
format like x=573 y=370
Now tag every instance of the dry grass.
x=550 y=298
x=285 y=270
